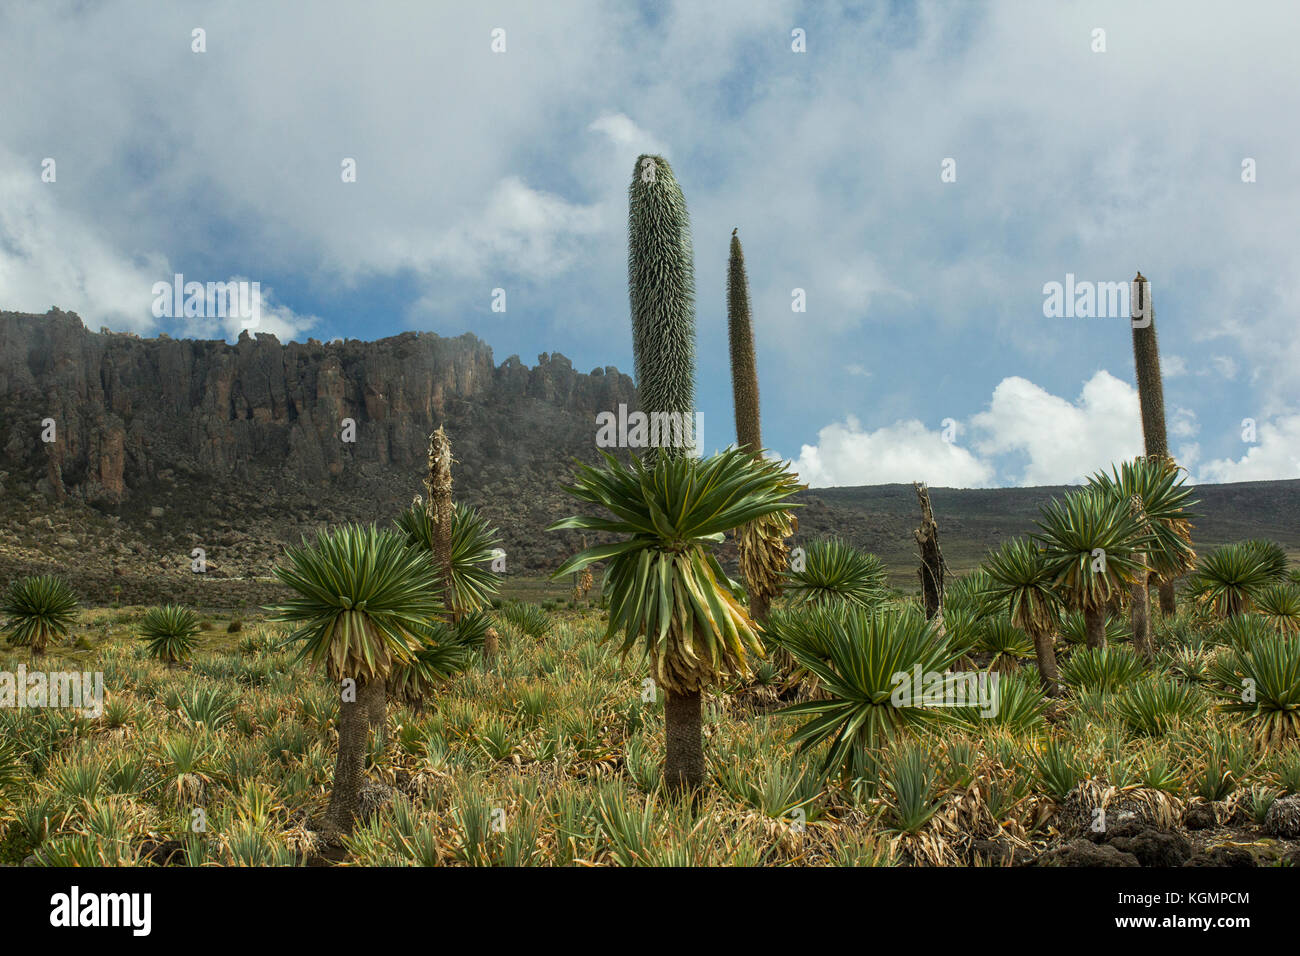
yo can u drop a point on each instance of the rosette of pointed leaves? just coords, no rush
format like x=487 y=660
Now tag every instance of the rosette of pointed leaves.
x=1271 y=555
x=1020 y=578
x=1279 y=604
x=970 y=595
x=1257 y=680
x=169 y=632
x=1101 y=669
x=1158 y=483
x=1228 y=579
x=857 y=655
x=1005 y=642
x=1240 y=629
x=474 y=542
x=1092 y=544
x=1074 y=629
x=38 y=610
x=835 y=570
x=1155 y=705
x=363 y=597
x=665 y=588
x=445 y=649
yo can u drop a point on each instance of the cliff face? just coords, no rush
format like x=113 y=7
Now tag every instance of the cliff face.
x=196 y=441
x=126 y=409
x=163 y=447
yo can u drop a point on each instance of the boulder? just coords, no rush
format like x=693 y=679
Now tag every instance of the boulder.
x=1086 y=853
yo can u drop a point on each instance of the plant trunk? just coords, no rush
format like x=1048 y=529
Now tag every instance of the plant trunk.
x=377 y=713
x=491 y=644
x=1168 y=607
x=684 y=756
x=932 y=566
x=1045 y=653
x=345 y=797
x=1140 y=615
x=1094 y=622
x=759 y=606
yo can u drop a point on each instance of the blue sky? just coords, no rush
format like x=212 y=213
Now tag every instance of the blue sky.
x=924 y=352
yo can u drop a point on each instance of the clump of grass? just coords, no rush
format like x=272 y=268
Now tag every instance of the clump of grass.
x=1105 y=669
x=207 y=706
x=527 y=619
x=1058 y=769
x=1156 y=705
x=914 y=793
x=1159 y=770
x=13 y=772
x=1222 y=761
x=1286 y=768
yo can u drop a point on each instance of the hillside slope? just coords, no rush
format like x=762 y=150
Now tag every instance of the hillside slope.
x=163 y=446
x=881 y=518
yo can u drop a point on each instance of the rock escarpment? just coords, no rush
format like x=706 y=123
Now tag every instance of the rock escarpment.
x=187 y=443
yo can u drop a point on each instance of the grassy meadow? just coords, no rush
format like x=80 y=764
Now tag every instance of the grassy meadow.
x=550 y=754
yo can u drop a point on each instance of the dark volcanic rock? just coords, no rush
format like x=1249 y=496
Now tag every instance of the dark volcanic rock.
x=1199 y=816
x=1151 y=846
x=240 y=448
x=1086 y=853
x=128 y=408
x=1230 y=856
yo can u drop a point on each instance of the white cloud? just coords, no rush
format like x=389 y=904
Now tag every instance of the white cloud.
x=1060 y=441
x=275 y=318
x=520 y=230
x=1057 y=440
x=1276 y=455
x=906 y=451
x=50 y=255
x=1063 y=441
x=1188 y=455
x=1183 y=423
x=1224 y=365
x=626 y=135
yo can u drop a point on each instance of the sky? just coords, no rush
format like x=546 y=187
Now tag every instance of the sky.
x=921 y=171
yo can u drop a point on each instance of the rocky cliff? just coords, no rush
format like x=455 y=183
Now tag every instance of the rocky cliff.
x=160 y=447
x=121 y=454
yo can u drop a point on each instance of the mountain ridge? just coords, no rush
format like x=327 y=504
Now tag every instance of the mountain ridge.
x=166 y=445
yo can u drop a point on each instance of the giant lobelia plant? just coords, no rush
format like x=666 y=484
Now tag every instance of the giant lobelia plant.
x=665 y=588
